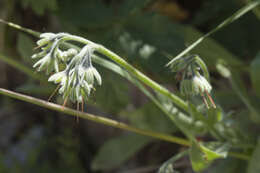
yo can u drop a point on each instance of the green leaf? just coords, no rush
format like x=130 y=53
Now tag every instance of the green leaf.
x=254 y=73
x=197 y=158
x=118 y=150
x=215 y=150
x=202 y=155
x=254 y=166
x=167 y=166
x=25 y=47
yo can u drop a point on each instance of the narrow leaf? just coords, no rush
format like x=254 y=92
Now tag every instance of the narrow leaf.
x=229 y=20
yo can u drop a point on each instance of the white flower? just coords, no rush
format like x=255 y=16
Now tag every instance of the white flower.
x=77 y=80
x=47 y=62
x=43 y=63
x=90 y=74
x=45 y=39
x=201 y=85
x=58 y=77
x=39 y=55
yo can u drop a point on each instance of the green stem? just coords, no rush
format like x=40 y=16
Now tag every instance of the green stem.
x=26 y=30
x=147 y=81
x=179 y=102
x=22 y=68
x=106 y=121
x=239 y=155
x=91 y=117
x=226 y=22
x=139 y=75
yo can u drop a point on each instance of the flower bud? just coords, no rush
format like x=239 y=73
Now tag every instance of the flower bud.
x=201 y=85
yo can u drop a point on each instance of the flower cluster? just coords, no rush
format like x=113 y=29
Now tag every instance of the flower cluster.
x=193 y=75
x=77 y=79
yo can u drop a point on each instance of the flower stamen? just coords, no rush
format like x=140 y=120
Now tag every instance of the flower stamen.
x=53 y=93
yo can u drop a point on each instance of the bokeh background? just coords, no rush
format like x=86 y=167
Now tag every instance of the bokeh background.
x=33 y=139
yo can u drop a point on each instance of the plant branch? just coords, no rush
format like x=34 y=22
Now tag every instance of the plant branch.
x=26 y=30
x=106 y=121
x=94 y=118
x=146 y=80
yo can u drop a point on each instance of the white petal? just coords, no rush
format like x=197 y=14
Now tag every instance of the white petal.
x=57 y=77
x=89 y=75
x=38 y=62
x=86 y=87
x=47 y=35
x=81 y=71
x=72 y=52
x=56 y=65
x=42 y=42
x=77 y=91
x=97 y=76
x=38 y=55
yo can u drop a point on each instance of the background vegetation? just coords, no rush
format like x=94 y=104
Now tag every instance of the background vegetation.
x=34 y=139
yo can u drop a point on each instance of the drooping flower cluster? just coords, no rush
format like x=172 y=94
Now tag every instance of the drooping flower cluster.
x=77 y=79
x=194 y=78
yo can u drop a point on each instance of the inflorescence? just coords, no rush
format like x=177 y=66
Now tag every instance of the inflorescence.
x=194 y=78
x=76 y=79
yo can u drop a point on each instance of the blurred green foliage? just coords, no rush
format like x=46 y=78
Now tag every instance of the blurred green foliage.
x=139 y=32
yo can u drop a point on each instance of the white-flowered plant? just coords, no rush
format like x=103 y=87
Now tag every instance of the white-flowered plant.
x=194 y=78
x=78 y=77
